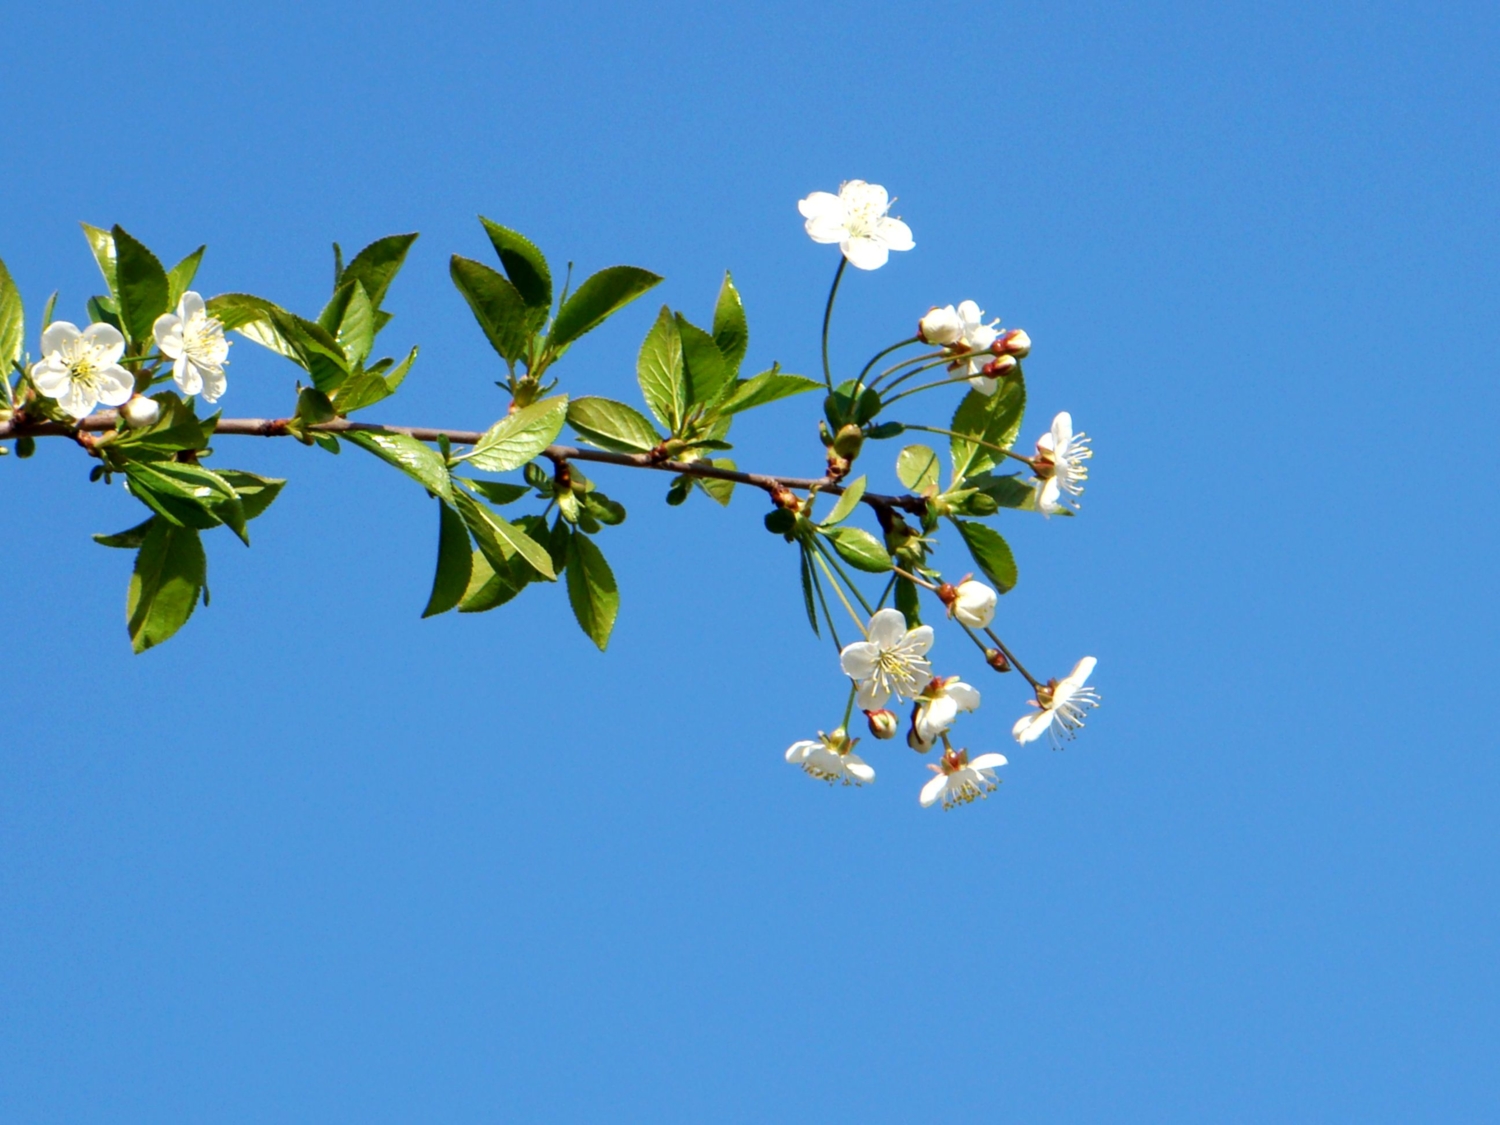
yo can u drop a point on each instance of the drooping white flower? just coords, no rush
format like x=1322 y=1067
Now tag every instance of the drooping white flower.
x=889 y=661
x=1059 y=464
x=959 y=780
x=856 y=219
x=937 y=707
x=140 y=412
x=941 y=326
x=831 y=758
x=977 y=336
x=194 y=342
x=1060 y=707
x=81 y=369
x=973 y=603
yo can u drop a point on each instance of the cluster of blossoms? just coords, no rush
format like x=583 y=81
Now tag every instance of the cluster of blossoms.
x=80 y=368
x=981 y=352
x=891 y=664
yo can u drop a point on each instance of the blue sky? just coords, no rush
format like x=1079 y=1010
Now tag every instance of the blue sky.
x=316 y=859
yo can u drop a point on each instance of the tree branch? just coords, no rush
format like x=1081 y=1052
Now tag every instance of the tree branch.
x=104 y=420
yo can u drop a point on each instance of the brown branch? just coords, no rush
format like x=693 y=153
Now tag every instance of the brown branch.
x=19 y=426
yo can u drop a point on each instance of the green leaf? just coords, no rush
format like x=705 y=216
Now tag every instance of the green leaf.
x=500 y=540
x=731 y=331
x=846 y=503
x=908 y=602
x=453 y=564
x=660 y=371
x=591 y=590
x=142 y=288
x=376 y=266
x=102 y=243
x=170 y=571
x=417 y=460
x=255 y=492
x=525 y=266
x=766 y=387
x=132 y=538
x=994 y=419
x=304 y=342
x=362 y=389
x=722 y=491
x=187 y=494
x=991 y=552
x=489 y=588
x=497 y=306
x=356 y=330
x=703 y=364
x=314 y=407
x=602 y=508
x=612 y=425
x=518 y=437
x=859 y=548
x=917 y=466
x=12 y=323
x=176 y=428
x=1009 y=491
x=837 y=407
x=808 y=578
x=601 y=295
x=180 y=277
x=495 y=491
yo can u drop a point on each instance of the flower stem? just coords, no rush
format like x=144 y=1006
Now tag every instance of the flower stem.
x=833 y=291
x=837 y=589
x=913 y=578
x=1019 y=667
x=925 y=387
x=849 y=707
x=973 y=441
x=889 y=586
x=929 y=360
x=827 y=616
x=853 y=589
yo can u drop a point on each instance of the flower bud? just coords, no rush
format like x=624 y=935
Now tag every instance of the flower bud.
x=1015 y=342
x=1003 y=365
x=996 y=660
x=140 y=412
x=914 y=740
x=973 y=604
x=940 y=326
x=849 y=441
x=883 y=723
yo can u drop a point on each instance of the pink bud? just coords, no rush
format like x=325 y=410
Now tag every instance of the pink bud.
x=883 y=723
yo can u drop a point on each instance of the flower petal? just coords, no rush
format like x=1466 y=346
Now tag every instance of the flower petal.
x=987 y=761
x=895 y=234
x=190 y=305
x=864 y=253
x=872 y=696
x=1081 y=672
x=858 y=659
x=115 y=385
x=964 y=697
x=935 y=717
x=825 y=216
x=168 y=326
x=1062 y=431
x=106 y=338
x=51 y=378
x=984 y=384
x=78 y=399
x=933 y=790
x=918 y=641
x=1031 y=727
x=856 y=767
x=215 y=382
x=58 y=333
x=798 y=751
x=887 y=628
x=185 y=374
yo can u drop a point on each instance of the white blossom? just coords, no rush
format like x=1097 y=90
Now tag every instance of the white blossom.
x=937 y=707
x=889 y=661
x=1060 y=707
x=1059 y=464
x=81 y=369
x=140 y=412
x=977 y=337
x=856 y=219
x=973 y=603
x=941 y=326
x=194 y=342
x=959 y=780
x=831 y=758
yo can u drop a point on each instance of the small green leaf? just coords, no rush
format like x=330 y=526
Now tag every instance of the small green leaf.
x=255 y=492
x=847 y=502
x=142 y=288
x=489 y=588
x=766 y=387
x=495 y=491
x=705 y=374
x=808 y=578
x=731 y=331
x=990 y=551
x=1009 y=491
x=497 y=306
x=525 y=266
x=102 y=243
x=859 y=548
x=414 y=458
x=519 y=437
x=908 y=602
x=376 y=266
x=661 y=373
x=453 y=563
x=12 y=323
x=612 y=425
x=170 y=572
x=500 y=540
x=721 y=491
x=591 y=590
x=304 y=342
x=600 y=296
x=356 y=330
x=602 y=508
x=132 y=538
x=192 y=485
x=838 y=406
x=994 y=419
x=180 y=277
x=917 y=467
